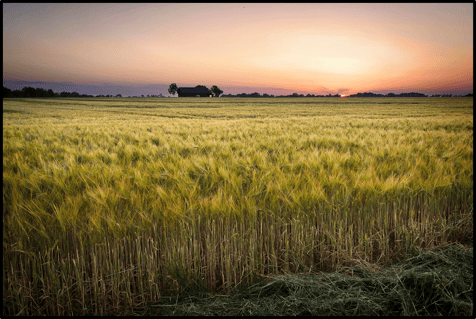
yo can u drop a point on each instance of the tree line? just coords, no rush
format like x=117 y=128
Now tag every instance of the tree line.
x=365 y=94
x=256 y=94
x=39 y=92
x=411 y=94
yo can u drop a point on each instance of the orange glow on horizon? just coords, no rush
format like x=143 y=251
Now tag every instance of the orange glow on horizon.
x=315 y=48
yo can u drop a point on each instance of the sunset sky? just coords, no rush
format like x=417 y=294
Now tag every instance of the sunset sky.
x=313 y=48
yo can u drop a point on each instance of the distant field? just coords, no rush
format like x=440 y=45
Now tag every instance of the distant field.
x=109 y=203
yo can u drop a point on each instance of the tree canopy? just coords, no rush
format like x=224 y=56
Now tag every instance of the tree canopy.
x=216 y=90
x=173 y=88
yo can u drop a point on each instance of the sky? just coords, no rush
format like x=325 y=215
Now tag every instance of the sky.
x=261 y=47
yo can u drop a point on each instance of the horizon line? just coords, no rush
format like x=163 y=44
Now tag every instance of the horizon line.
x=232 y=89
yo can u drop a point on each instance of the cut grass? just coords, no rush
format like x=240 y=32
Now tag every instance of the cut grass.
x=438 y=282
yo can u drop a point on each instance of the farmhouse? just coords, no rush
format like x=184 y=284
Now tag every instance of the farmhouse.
x=194 y=91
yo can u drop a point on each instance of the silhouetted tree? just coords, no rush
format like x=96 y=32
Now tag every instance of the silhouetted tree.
x=173 y=88
x=7 y=92
x=216 y=90
x=28 y=91
x=39 y=92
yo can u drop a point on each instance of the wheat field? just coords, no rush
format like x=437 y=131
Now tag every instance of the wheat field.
x=109 y=203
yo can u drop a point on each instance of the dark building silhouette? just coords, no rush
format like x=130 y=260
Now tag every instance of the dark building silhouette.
x=194 y=91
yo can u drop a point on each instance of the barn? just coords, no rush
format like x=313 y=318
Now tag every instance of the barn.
x=193 y=91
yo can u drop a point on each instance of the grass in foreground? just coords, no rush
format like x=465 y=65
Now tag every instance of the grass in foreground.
x=436 y=282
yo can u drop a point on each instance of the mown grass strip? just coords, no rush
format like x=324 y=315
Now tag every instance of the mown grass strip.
x=436 y=282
